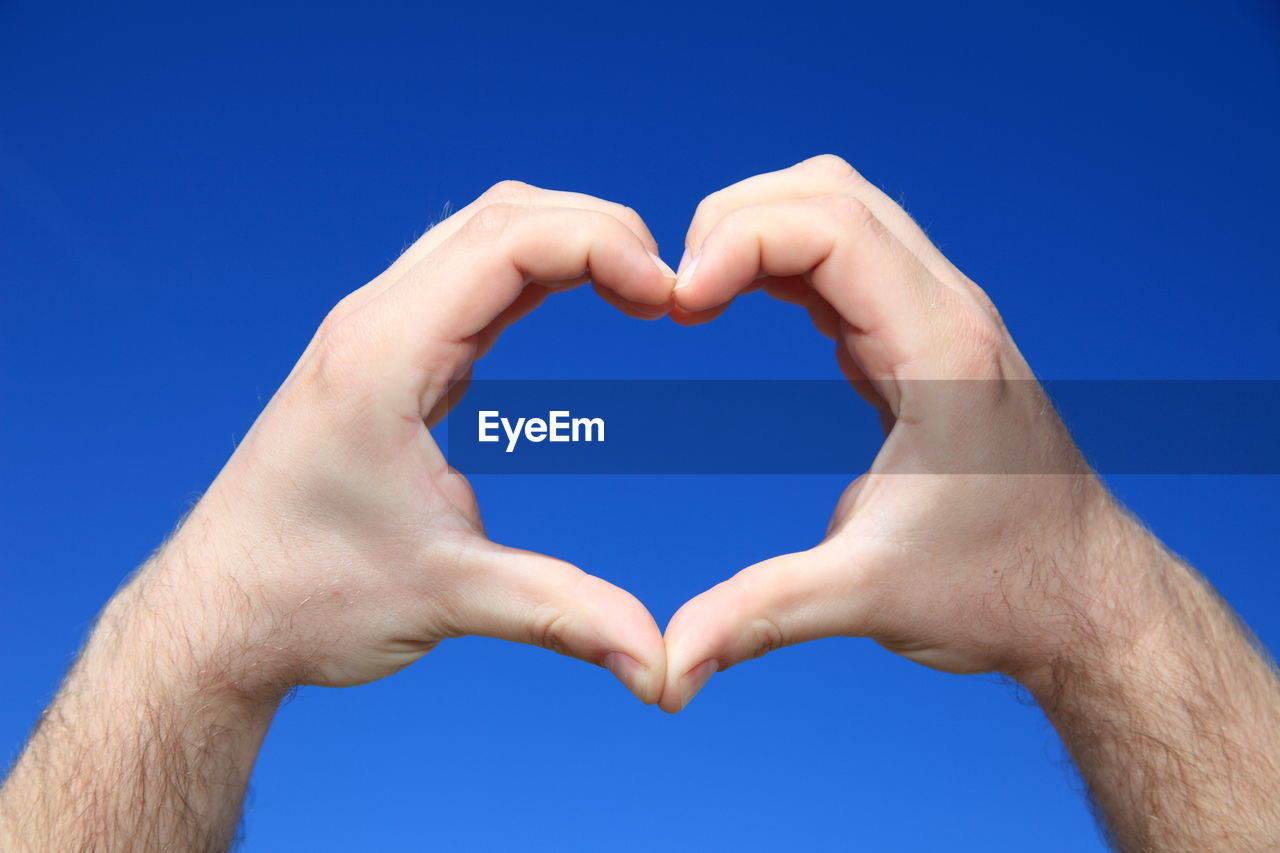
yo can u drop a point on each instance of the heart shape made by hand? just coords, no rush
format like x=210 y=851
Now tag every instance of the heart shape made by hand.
x=340 y=517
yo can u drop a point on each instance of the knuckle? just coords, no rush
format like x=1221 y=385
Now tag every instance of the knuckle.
x=830 y=164
x=766 y=636
x=760 y=594
x=987 y=305
x=344 y=308
x=509 y=191
x=489 y=222
x=549 y=628
x=631 y=218
x=984 y=342
x=707 y=213
x=851 y=211
x=333 y=365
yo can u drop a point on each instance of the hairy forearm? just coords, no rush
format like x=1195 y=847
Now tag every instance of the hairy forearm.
x=150 y=742
x=1169 y=709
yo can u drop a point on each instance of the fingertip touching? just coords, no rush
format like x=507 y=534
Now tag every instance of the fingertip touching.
x=677 y=694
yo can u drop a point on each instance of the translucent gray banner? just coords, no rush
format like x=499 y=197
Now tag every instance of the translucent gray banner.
x=822 y=427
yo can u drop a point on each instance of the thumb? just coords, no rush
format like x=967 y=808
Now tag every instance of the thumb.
x=531 y=598
x=779 y=602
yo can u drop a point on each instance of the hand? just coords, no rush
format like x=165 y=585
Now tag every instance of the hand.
x=337 y=546
x=937 y=551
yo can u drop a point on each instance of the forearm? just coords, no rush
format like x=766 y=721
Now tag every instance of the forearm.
x=150 y=742
x=1170 y=712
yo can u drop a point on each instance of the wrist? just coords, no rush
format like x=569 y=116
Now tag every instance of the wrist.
x=1164 y=703
x=1118 y=588
x=200 y=627
x=150 y=713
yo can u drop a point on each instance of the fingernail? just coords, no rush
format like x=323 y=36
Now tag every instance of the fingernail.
x=687 y=269
x=629 y=671
x=696 y=680
x=684 y=259
x=662 y=265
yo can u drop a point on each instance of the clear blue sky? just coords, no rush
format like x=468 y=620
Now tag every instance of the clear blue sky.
x=185 y=191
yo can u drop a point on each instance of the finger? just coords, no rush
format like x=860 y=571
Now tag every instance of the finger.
x=531 y=598
x=878 y=288
x=696 y=318
x=504 y=192
x=484 y=266
x=518 y=192
x=785 y=600
x=823 y=175
x=533 y=295
x=426 y=326
x=803 y=295
x=638 y=310
x=798 y=291
x=529 y=299
x=794 y=289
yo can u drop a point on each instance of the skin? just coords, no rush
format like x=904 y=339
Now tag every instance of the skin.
x=979 y=540
x=337 y=547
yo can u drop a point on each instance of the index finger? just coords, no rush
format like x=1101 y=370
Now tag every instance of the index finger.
x=503 y=192
x=823 y=175
x=426 y=326
x=855 y=264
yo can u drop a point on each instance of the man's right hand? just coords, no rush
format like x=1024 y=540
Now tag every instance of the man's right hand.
x=966 y=546
x=979 y=540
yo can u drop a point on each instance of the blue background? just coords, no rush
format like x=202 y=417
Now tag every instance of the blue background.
x=187 y=190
